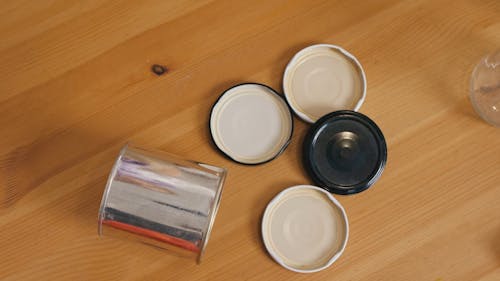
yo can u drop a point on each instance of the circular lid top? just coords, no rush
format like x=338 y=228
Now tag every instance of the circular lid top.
x=305 y=229
x=344 y=152
x=323 y=78
x=251 y=124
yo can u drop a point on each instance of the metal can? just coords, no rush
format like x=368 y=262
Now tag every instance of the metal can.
x=161 y=200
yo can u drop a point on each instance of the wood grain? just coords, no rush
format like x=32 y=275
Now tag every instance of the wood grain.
x=76 y=85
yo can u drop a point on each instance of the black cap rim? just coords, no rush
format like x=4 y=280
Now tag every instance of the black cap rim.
x=228 y=156
x=308 y=148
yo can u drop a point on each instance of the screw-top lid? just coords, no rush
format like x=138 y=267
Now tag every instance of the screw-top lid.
x=344 y=152
x=251 y=123
x=305 y=229
x=321 y=79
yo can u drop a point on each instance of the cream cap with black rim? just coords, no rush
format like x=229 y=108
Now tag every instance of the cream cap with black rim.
x=251 y=123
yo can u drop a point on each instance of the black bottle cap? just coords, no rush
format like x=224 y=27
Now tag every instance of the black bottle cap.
x=344 y=152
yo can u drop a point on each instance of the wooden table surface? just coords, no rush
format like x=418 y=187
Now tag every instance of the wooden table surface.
x=76 y=85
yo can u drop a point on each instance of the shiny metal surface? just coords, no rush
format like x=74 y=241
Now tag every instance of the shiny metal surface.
x=161 y=200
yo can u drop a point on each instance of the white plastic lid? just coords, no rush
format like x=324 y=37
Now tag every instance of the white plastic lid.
x=251 y=123
x=321 y=79
x=305 y=229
